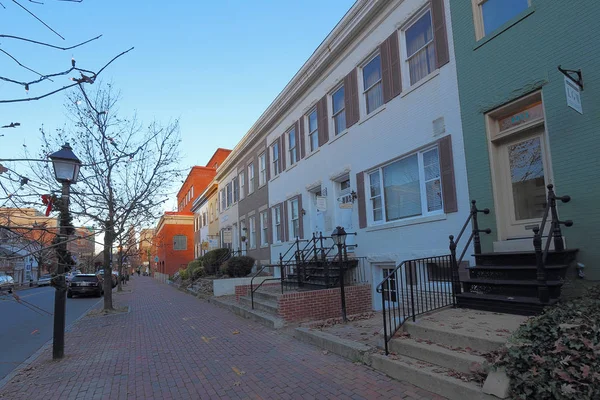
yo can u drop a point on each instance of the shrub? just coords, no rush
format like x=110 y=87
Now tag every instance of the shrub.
x=195 y=269
x=555 y=355
x=211 y=259
x=238 y=266
x=183 y=274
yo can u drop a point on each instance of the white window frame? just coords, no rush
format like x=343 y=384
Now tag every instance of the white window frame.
x=294 y=223
x=275 y=152
x=422 y=187
x=262 y=169
x=293 y=150
x=277 y=231
x=478 y=18
x=229 y=194
x=264 y=228
x=342 y=110
x=314 y=132
x=406 y=68
x=251 y=178
x=252 y=232
x=242 y=177
x=223 y=200
x=379 y=82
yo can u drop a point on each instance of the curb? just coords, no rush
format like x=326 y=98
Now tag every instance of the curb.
x=44 y=347
x=350 y=350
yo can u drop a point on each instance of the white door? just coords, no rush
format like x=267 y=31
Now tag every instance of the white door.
x=317 y=216
x=345 y=204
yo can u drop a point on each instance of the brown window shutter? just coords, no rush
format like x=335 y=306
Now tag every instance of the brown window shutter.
x=270 y=222
x=440 y=34
x=351 y=98
x=323 y=121
x=362 y=203
x=390 y=67
x=447 y=175
x=300 y=218
x=282 y=151
x=300 y=131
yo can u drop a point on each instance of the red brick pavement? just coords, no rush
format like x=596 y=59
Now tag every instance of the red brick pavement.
x=174 y=346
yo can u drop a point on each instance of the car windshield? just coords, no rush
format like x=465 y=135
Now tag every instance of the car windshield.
x=84 y=278
x=46 y=276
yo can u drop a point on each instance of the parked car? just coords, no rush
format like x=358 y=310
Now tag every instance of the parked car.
x=114 y=277
x=7 y=283
x=71 y=274
x=45 y=280
x=85 y=284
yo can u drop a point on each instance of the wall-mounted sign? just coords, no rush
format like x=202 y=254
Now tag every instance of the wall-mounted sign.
x=213 y=243
x=321 y=203
x=227 y=236
x=573 y=95
x=155 y=258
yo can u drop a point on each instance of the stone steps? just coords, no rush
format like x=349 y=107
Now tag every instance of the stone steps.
x=264 y=318
x=261 y=304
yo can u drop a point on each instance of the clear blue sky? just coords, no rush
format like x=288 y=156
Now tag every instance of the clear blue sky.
x=216 y=65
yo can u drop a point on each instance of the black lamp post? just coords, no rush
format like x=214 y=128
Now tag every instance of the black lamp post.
x=66 y=171
x=339 y=238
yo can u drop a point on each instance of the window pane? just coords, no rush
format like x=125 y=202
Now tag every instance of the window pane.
x=434 y=195
x=340 y=122
x=419 y=34
x=338 y=100
x=314 y=141
x=372 y=72
x=422 y=64
x=374 y=98
x=292 y=138
x=312 y=121
x=402 y=189
x=431 y=163
x=295 y=209
x=375 y=184
x=293 y=157
x=377 y=209
x=497 y=12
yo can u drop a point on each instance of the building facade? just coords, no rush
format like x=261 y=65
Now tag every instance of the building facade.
x=206 y=227
x=526 y=124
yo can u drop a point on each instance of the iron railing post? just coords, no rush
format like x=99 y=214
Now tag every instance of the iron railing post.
x=410 y=283
x=454 y=275
x=543 y=292
x=476 y=238
x=555 y=225
x=299 y=271
x=385 y=335
x=314 y=239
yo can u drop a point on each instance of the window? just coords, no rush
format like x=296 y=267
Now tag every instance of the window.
x=294 y=219
x=492 y=14
x=339 y=111
x=262 y=169
x=345 y=184
x=292 y=146
x=243 y=232
x=236 y=189
x=203 y=219
x=277 y=234
x=264 y=228
x=420 y=48
x=275 y=151
x=372 y=84
x=229 y=188
x=406 y=188
x=252 y=222
x=242 y=177
x=179 y=242
x=212 y=212
x=313 y=133
x=250 y=178
x=223 y=200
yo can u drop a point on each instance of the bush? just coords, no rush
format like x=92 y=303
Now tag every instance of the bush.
x=183 y=274
x=195 y=269
x=238 y=266
x=211 y=259
x=554 y=355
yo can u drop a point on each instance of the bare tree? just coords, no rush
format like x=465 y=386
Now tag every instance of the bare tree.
x=127 y=169
x=80 y=75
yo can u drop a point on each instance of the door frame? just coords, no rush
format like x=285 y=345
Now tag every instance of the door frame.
x=497 y=139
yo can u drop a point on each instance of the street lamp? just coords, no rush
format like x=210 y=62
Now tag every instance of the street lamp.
x=66 y=171
x=339 y=238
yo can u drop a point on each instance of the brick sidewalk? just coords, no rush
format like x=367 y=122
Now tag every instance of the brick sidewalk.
x=174 y=346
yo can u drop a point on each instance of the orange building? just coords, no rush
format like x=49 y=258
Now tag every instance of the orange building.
x=174 y=234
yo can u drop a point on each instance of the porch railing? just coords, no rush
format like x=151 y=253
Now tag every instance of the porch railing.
x=415 y=287
x=555 y=235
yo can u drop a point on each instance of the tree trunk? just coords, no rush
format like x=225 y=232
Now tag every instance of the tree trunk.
x=108 y=243
x=119 y=278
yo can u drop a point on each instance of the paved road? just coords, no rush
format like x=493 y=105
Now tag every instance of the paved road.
x=174 y=346
x=24 y=331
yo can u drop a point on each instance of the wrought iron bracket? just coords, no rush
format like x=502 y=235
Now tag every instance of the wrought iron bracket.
x=568 y=73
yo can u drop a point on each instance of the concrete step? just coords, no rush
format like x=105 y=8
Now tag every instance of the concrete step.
x=445 y=335
x=268 y=296
x=261 y=317
x=430 y=377
x=435 y=354
x=267 y=306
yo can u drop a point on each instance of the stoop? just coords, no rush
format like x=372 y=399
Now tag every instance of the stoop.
x=265 y=308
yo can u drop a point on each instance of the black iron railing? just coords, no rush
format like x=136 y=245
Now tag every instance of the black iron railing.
x=555 y=235
x=415 y=287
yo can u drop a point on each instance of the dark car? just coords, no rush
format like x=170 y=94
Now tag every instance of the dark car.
x=7 y=283
x=85 y=284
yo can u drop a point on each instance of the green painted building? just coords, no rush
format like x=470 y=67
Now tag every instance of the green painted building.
x=523 y=124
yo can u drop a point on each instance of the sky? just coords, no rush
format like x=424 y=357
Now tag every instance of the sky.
x=214 y=65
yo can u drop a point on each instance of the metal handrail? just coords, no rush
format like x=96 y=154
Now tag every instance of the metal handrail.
x=555 y=233
x=252 y=290
x=475 y=231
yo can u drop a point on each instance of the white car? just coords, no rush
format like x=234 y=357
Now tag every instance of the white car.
x=71 y=274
